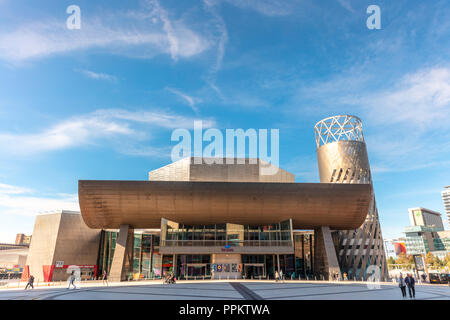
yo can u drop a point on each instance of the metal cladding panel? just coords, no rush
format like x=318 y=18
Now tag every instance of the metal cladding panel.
x=342 y=159
x=142 y=204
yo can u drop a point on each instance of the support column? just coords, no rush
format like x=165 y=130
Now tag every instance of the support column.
x=174 y=266
x=325 y=258
x=122 y=262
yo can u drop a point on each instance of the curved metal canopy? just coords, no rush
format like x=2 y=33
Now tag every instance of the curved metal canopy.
x=142 y=204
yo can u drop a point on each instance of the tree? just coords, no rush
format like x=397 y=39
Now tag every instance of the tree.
x=447 y=261
x=401 y=259
x=391 y=260
x=429 y=258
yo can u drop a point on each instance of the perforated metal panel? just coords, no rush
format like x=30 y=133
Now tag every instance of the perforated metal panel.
x=342 y=158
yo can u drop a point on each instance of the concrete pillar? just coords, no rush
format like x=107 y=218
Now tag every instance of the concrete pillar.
x=122 y=262
x=174 y=263
x=325 y=258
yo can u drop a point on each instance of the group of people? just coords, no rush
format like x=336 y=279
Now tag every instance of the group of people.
x=409 y=282
x=71 y=280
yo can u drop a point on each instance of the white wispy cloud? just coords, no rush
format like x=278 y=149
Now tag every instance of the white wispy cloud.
x=159 y=119
x=266 y=7
x=69 y=133
x=346 y=5
x=104 y=124
x=27 y=202
x=420 y=98
x=98 y=75
x=121 y=33
x=191 y=101
x=9 y=189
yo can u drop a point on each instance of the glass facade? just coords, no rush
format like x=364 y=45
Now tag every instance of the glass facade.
x=193 y=266
x=106 y=252
x=148 y=263
x=442 y=244
x=304 y=253
x=419 y=239
x=226 y=234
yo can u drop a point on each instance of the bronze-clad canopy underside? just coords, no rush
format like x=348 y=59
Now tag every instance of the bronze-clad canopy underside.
x=142 y=204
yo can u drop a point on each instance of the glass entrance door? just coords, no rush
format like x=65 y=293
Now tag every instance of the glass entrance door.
x=195 y=271
x=254 y=270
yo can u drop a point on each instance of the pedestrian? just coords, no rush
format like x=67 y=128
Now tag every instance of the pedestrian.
x=293 y=275
x=281 y=275
x=30 y=282
x=410 y=283
x=402 y=285
x=105 y=277
x=345 y=276
x=72 y=280
x=277 y=276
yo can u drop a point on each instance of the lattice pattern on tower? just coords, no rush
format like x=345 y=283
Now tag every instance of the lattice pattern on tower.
x=338 y=128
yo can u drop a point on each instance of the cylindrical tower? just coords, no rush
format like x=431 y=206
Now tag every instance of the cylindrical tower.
x=342 y=158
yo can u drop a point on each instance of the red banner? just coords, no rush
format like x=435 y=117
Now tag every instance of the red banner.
x=25 y=273
x=48 y=273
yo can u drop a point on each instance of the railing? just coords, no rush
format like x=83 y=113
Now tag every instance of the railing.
x=223 y=243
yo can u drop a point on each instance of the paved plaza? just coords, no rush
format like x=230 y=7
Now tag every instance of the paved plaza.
x=225 y=290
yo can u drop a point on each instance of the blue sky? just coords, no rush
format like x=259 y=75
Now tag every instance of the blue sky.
x=101 y=102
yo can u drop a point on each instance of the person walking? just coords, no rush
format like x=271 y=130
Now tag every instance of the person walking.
x=410 y=283
x=281 y=275
x=345 y=276
x=402 y=285
x=105 y=277
x=30 y=283
x=72 y=280
x=277 y=276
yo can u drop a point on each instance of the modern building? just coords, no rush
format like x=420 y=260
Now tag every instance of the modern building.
x=216 y=219
x=419 y=239
x=394 y=247
x=446 y=200
x=232 y=226
x=12 y=258
x=425 y=217
x=342 y=157
x=424 y=239
x=22 y=239
x=62 y=241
